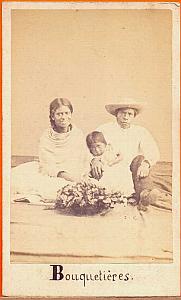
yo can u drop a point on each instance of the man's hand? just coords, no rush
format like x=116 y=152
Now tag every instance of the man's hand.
x=143 y=170
x=96 y=168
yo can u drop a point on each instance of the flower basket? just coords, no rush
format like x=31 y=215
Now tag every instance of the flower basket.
x=85 y=199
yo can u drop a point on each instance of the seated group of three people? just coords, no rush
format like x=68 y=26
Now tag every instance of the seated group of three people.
x=120 y=157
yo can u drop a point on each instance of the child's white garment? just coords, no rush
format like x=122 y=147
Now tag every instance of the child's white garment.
x=116 y=176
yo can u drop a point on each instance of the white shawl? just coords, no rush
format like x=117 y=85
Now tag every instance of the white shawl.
x=62 y=152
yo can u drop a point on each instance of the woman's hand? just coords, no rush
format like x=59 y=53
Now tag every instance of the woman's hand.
x=96 y=168
x=67 y=176
x=143 y=170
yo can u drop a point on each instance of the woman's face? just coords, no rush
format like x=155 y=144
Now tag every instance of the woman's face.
x=62 y=117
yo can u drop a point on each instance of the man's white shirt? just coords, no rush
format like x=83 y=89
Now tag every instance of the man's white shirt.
x=131 y=142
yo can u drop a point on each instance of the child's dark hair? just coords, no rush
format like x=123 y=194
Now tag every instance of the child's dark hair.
x=95 y=137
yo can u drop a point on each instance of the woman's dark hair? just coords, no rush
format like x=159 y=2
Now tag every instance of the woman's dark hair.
x=56 y=103
x=95 y=137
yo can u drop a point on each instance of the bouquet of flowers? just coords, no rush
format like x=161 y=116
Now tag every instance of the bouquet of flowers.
x=86 y=198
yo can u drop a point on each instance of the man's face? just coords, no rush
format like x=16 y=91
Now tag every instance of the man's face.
x=62 y=117
x=97 y=149
x=125 y=117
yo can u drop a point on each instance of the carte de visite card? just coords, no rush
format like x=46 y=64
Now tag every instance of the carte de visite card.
x=91 y=165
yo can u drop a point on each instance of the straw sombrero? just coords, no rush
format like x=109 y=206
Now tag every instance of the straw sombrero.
x=125 y=103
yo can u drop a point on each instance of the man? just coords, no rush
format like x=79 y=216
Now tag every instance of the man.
x=135 y=143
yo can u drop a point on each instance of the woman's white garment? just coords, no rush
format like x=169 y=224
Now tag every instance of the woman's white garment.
x=57 y=152
x=62 y=152
x=130 y=142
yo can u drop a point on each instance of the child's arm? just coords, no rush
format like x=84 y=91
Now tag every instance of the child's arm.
x=111 y=156
x=117 y=159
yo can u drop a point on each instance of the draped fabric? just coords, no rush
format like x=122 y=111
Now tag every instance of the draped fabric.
x=57 y=152
x=62 y=152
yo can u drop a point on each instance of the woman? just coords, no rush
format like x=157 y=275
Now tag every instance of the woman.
x=62 y=156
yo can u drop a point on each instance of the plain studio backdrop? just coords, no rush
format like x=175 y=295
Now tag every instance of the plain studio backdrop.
x=91 y=57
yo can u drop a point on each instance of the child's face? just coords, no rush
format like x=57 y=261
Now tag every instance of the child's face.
x=97 y=149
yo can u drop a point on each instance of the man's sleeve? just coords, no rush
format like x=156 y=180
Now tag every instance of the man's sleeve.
x=148 y=147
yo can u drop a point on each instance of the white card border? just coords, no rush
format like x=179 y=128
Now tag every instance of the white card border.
x=12 y=271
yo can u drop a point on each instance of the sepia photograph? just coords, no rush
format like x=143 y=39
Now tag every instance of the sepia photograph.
x=91 y=131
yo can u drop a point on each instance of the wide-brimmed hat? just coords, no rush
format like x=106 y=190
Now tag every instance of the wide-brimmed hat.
x=125 y=103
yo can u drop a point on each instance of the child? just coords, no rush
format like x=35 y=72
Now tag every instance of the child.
x=114 y=177
x=98 y=147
